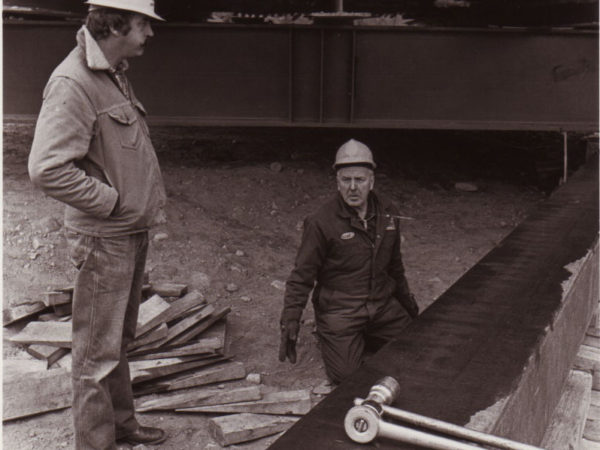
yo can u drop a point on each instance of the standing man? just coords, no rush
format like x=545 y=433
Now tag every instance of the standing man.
x=350 y=255
x=92 y=151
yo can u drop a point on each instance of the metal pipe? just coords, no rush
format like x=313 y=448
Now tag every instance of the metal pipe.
x=451 y=429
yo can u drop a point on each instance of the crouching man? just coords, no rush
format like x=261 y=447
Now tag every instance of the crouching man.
x=350 y=255
x=92 y=151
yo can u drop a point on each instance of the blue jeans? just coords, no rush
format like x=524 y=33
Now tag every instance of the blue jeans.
x=108 y=291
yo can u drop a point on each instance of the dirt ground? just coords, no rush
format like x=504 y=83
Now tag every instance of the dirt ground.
x=237 y=198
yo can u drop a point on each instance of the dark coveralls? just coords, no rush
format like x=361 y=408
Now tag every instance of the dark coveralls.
x=361 y=291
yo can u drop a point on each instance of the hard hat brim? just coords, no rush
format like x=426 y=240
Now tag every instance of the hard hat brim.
x=118 y=5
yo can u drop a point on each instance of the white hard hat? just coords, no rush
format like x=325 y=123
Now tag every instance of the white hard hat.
x=354 y=153
x=145 y=7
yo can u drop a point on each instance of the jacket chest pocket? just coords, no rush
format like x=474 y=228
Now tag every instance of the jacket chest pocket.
x=128 y=128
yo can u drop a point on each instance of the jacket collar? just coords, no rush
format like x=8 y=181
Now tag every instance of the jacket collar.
x=94 y=55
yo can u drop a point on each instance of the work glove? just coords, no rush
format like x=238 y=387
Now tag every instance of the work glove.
x=410 y=304
x=289 y=336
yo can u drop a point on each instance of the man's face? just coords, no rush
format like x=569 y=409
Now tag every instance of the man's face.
x=134 y=42
x=355 y=183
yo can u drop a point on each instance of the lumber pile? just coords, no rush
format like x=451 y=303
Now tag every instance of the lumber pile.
x=180 y=342
x=576 y=419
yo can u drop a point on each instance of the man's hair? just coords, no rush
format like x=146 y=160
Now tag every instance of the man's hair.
x=100 y=20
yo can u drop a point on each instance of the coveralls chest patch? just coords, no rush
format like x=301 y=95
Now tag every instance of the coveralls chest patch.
x=348 y=235
x=391 y=225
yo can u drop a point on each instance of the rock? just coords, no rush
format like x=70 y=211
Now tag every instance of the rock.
x=35 y=243
x=276 y=167
x=164 y=272
x=253 y=378
x=231 y=287
x=160 y=237
x=277 y=284
x=466 y=187
x=48 y=224
x=239 y=253
x=200 y=280
x=245 y=298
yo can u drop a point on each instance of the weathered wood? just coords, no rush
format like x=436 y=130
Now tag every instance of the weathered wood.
x=13 y=314
x=283 y=403
x=46 y=353
x=592 y=341
x=35 y=392
x=587 y=358
x=237 y=428
x=63 y=310
x=149 y=373
x=215 y=374
x=55 y=298
x=57 y=334
x=169 y=289
x=566 y=427
x=201 y=327
x=17 y=367
x=591 y=431
x=188 y=322
x=593 y=331
x=152 y=336
x=195 y=397
x=589 y=445
x=151 y=314
x=595 y=397
x=202 y=346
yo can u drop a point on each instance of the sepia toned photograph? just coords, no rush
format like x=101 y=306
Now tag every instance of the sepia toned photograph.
x=292 y=225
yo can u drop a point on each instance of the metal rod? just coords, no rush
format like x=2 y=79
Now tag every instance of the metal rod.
x=452 y=429
x=412 y=436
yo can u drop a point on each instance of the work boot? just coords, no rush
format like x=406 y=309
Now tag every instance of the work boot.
x=145 y=435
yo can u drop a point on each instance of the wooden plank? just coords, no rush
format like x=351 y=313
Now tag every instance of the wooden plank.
x=216 y=374
x=150 y=373
x=46 y=353
x=201 y=327
x=589 y=445
x=592 y=341
x=593 y=331
x=13 y=314
x=195 y=397
x=202 y=346
x=595 y=397
x=57 y=334
x=283 y=403
x=237 y=428
x=188 y=322
x=35 y=392
x=151 y=314
x=587 y=359
x=566 y=427
x=63 y=310
x=16 y=367
x=169 y=289
x=591 y=431
x=55 y=298
x=154 y=335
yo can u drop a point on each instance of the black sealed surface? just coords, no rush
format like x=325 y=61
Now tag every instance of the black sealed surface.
x=471 y=348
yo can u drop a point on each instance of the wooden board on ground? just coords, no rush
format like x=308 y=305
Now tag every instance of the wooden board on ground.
x=195 y=397
x=17 y=367
x=592 y=341
x=237 y=428
x=566 y=427
x=47 y=353
x=283 y=403
x=201 y=327
x=154 y=335
x=35 y=392
x=587 y=358
x=169 y=289
x=57 y=334
x=150 y=314
x=591 y=432
x=216 y=374
x=55 y=298
x=202 y=346
x=142 y=374
x=188 y=322
x=13 y=314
